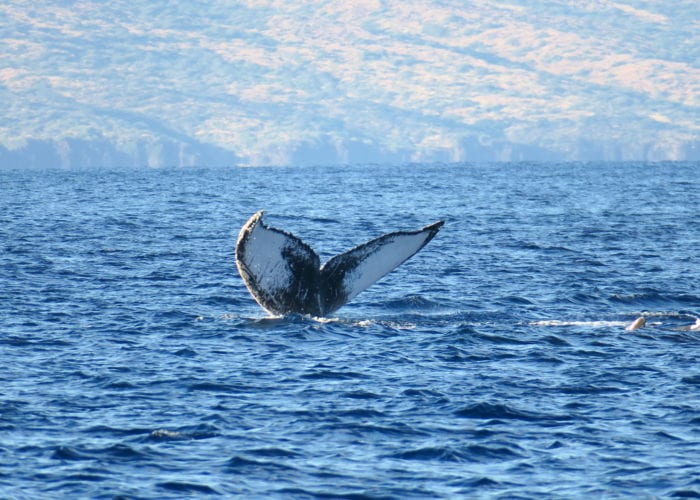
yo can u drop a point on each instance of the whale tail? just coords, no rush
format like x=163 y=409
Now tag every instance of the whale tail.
x=283 y=273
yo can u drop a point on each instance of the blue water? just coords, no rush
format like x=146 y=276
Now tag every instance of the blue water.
x=493 y=364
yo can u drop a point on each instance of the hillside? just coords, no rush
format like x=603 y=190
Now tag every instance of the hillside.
x=318 y=82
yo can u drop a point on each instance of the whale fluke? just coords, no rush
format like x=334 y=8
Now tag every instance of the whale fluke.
x=284 y=274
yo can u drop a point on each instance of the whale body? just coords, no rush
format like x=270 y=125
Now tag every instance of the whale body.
x=285 y=275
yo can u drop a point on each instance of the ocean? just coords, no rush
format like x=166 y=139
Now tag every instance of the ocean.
x=494 y=363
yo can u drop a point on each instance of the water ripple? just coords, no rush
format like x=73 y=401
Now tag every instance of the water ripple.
x=493 y=364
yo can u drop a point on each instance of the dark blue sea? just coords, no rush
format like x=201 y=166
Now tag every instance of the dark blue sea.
x=493 y=364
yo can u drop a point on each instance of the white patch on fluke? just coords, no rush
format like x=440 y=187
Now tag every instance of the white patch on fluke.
x=264 y=260
x=376 y=259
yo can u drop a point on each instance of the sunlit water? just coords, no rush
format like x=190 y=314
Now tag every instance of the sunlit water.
x=494 y=363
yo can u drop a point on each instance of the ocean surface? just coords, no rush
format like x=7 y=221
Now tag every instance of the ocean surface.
x=493 y=364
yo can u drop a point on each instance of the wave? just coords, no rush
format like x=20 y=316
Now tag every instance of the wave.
x=324 y=374
x=118 y=451
x=408 y=303
x=185 y=433
x=187 y=488
x=330 y=494
x=241 y=464
x=594 y=324
x=272 y=452
x=367 y=425
x=470 y=453
x=498 y=411
x=674 y=320
x=224 y=388
x=656 y=299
